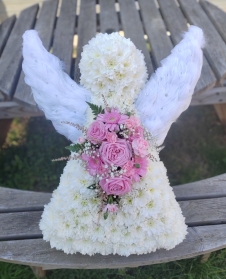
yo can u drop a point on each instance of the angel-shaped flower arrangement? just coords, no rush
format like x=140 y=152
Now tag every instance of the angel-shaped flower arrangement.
x=114 y=196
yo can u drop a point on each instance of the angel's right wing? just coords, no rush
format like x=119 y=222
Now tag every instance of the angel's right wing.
x=169 y=91
x=60 y=98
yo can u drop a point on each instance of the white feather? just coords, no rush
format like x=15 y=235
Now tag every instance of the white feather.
x=169 y=91
x=61 y=98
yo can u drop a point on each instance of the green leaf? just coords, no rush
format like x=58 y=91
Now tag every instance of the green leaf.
x=95 y=109
x=105 y=215
x=74 y=148
x=92 y=187
x=128 y=113
x=110 y=199
x=137 y=166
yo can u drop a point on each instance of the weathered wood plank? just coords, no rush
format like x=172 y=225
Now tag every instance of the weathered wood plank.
x=217 y=16
x=206 y=98
x=213 y=187
x=204 y=212
x=12 y=109
x=64 y=33
x=161 y=45
x=177 y=25
x=10 y=62
x=5 y=29
x=12 y=200
x=221 y=112
x=20 y=225
x=133 y=29
x=200 y=240
x=108 y=16
x=19 y=200
x=46 y=18
x=215 y=49
x=86 y=30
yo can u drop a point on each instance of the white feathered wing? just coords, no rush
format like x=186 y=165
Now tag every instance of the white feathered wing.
x=169 y=91
x=61 y=98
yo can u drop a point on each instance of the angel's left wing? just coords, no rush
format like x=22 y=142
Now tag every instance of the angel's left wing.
x=169 y=91
x=61 y=98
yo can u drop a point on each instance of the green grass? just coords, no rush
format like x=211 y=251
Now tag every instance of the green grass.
x=195 y=149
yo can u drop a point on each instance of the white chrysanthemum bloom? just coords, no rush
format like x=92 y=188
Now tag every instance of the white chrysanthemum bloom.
x=149 y=217
x=111 y=65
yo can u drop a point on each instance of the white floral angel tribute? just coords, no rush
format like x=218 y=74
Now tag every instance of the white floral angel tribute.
x=114 y=196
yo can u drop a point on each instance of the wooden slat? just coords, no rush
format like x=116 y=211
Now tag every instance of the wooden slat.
x=12 y=200
x=206 y=98
x=37 y=252
x=44 y=26
x=202 y=212
x=133 y=29
x=108 y=16
x=215 y=49
x=86 y=30
x=196 y=212
x=64 y=33
x=217 y=16
x=155 y=29
x=5 y=29
x=20 y=225
x=10 y=62
x=213 y=187
x=177 y=25
x=12 y=109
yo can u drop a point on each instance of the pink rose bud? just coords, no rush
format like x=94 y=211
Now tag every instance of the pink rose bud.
x=81 y=140
x=132 y=122
x=140 y=147
x=110 y=208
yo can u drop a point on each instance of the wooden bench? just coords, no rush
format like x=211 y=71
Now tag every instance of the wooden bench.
x=203 y=204
x=154 y=30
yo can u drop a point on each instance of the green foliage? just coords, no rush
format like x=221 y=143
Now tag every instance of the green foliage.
x=75 y=148
x=28 y=165
x=95 y=109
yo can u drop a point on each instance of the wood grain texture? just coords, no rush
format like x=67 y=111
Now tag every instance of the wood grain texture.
x=12 y=200
x=200 y=240
x=20 y=225
x=64 y=33
x=47 y=17
x=10 y=62
x=133 y=29
x=5 y=29
x=38 y=271
x=215 y=48
x=217 y=16
x=86 y=30
x=221 y=112
x=12 y=109
x=204 y=212
x=176 y=24
x=208 y=98
x=161 y=45
x=108 y=16
x=213 y=187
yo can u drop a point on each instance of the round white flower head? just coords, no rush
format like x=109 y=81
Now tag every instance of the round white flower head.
x=112 y=66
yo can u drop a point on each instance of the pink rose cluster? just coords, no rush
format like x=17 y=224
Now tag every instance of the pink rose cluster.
x=115 y=152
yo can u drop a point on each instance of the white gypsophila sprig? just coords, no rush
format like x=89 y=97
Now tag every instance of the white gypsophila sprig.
x=111 y=65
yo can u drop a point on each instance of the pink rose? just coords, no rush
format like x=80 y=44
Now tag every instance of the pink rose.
x=110 y=208
x=111 y=137
x=116 y=186
x=132 y=122
x=128 y=168
x=117 y=153
x=140 y=147
x=138 y=133
x=96 y=132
